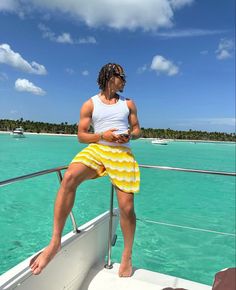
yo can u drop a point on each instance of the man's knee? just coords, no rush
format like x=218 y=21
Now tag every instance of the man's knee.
x=127 y=210
x=70 y=179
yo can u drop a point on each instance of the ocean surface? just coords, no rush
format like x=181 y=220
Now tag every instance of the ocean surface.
x=192 y=200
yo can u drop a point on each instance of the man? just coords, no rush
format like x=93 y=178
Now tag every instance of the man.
x=115 y=122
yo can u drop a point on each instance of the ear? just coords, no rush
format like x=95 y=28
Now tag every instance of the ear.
x=111 y=80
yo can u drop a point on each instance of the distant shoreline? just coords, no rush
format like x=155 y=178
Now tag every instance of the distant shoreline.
x=190 y=140
x=74 y=135
x=46 y=134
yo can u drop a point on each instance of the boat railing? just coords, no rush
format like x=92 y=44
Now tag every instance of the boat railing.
x=58 y=171
x=109 y=262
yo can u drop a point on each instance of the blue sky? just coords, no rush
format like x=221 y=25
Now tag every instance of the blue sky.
x=178 y=55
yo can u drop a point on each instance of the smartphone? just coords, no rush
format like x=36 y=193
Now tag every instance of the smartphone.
x=124 y=135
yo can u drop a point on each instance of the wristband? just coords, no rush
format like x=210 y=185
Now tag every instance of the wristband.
x=101 y=136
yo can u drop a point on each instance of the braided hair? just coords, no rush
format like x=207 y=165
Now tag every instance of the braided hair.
x=106 y=72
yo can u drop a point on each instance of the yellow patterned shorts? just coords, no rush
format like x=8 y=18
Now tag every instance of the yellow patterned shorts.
x=115 y=161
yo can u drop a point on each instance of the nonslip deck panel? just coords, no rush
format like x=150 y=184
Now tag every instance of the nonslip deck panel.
x=103 y=279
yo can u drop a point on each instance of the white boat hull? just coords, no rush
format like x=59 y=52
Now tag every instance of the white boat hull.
x=71 y=265
x=18 y=133
x=159 y=142
x=15 y=135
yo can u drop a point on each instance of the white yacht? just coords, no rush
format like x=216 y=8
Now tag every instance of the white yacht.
x=18 y=133
x=80 y=264
x=159 y=141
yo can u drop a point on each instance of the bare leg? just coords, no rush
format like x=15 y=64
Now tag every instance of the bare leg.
x=75 y=174
x=128 y=225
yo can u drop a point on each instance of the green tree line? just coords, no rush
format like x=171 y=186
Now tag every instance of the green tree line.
x=38 y=127
x=65 y=128
x=187 y=135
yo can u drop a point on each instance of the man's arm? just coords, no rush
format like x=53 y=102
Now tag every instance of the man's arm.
x=135 y=131
x=85 y=120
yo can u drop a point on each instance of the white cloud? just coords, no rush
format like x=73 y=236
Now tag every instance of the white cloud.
x=13 y=111
x=85 y=73
x=188 y=33
x=204 y=52
x=70 y=71
x=142 y=69
x=163 y=65
x=14 y=59
x=47 y=33
x=8 y=5
x=23 y=85
x=88 y=39
x=117 y=14
x=225 y=49
x=180 y=3
x=65 y=37
x=223 y=54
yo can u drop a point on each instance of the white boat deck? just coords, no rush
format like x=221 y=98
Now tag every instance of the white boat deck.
x=100 y=278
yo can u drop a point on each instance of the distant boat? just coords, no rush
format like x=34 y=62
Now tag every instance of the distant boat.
x=159 y=142
x=18 y=133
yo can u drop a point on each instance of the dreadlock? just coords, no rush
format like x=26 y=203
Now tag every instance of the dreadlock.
x=106 y=72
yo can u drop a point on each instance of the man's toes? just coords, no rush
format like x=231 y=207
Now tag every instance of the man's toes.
x=34 y=266
x=37 y=271
x=34 y=258
x=126 y=274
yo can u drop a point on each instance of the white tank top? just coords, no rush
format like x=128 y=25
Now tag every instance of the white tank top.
x=106 y=117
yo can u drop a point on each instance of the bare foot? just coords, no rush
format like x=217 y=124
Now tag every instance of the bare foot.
x=40 y=261
x=125 y=269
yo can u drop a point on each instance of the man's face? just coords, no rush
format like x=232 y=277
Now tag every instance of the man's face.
x=117 y=82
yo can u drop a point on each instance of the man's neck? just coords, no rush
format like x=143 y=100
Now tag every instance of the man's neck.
x=109 y=95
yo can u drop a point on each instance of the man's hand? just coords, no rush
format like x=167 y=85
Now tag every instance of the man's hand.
x=110 y=136
x=124 y=137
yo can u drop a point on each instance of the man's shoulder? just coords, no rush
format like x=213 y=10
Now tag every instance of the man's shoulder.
x=129 y=101
x=131 y=105
x=122 y=98
x=88 y=104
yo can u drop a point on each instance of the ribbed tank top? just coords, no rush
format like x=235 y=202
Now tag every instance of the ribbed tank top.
x=106 y=117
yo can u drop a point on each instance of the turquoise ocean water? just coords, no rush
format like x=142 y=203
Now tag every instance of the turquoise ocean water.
x=186 y=199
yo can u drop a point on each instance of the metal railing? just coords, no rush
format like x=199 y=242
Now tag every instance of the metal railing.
x=39 y=173
x=109 y=262
x=75 y=227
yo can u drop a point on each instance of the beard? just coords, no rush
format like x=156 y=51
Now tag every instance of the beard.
x=121 y=89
